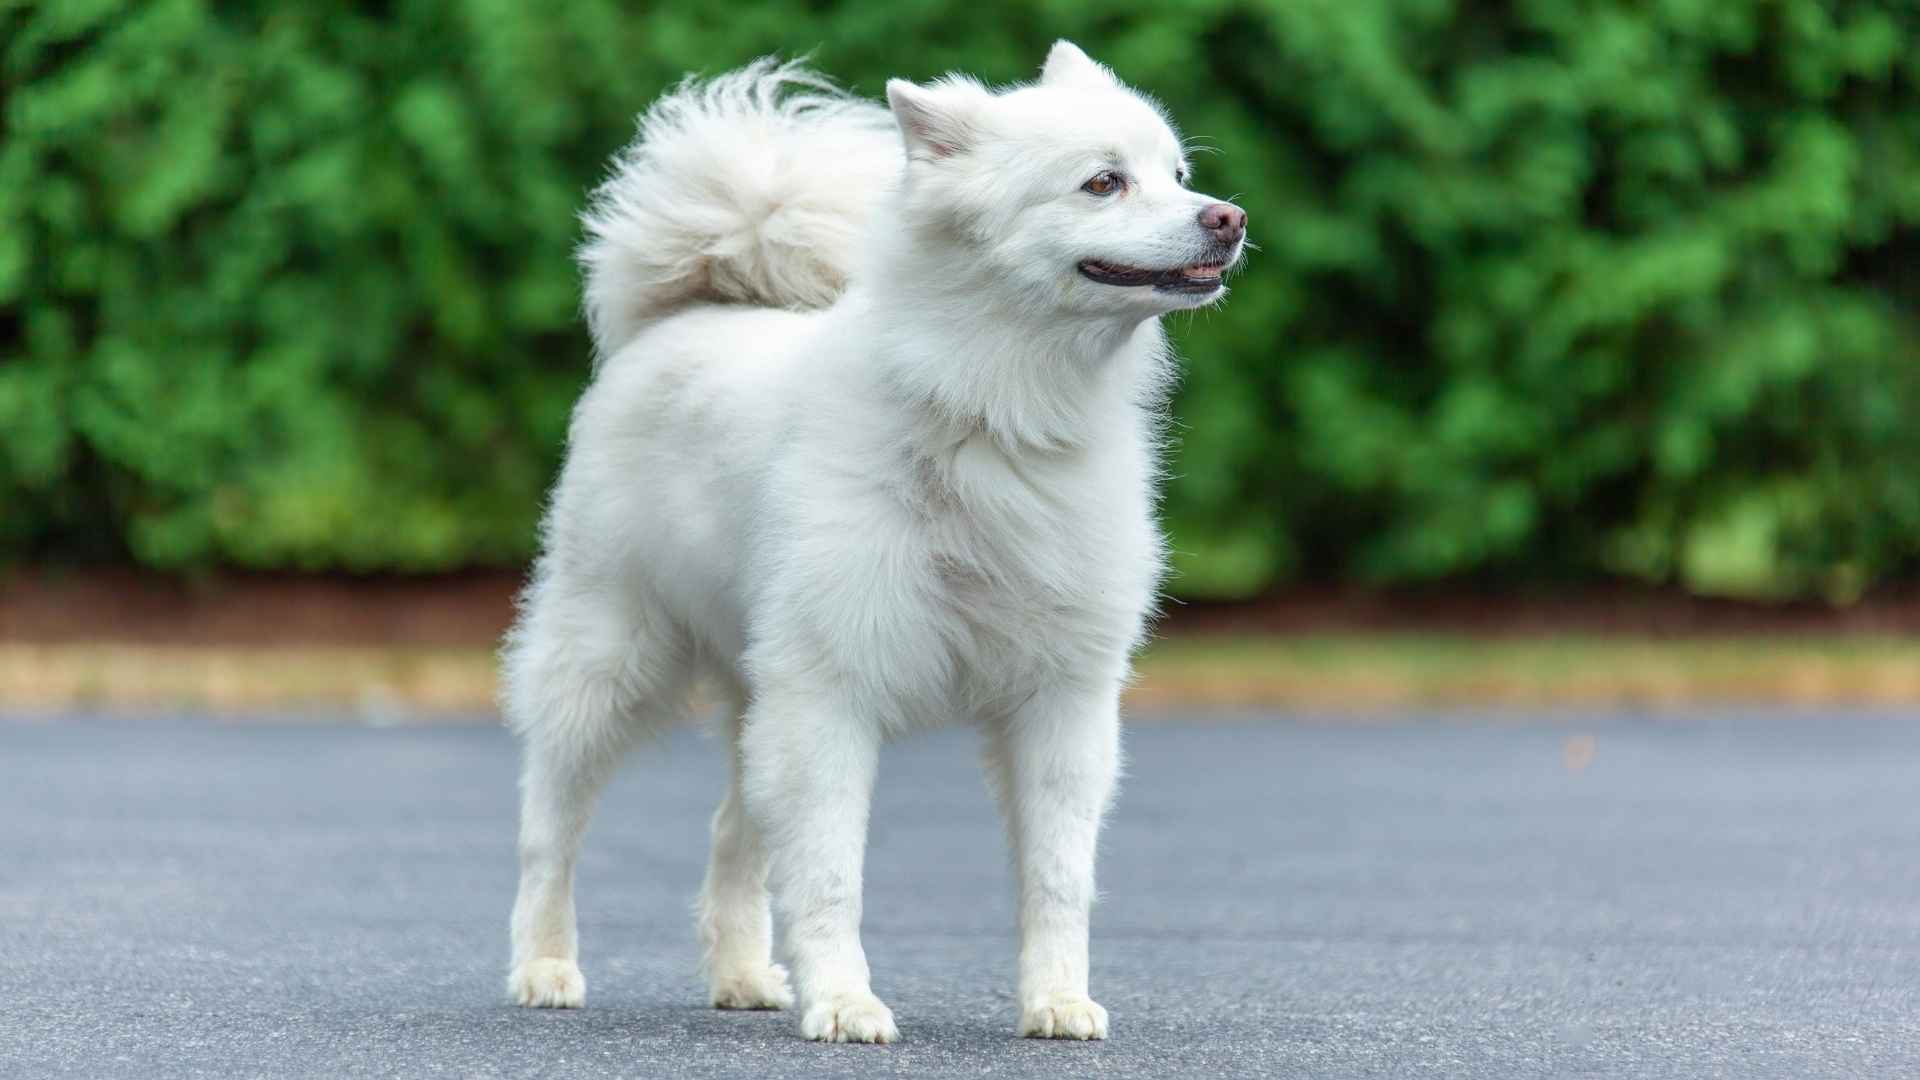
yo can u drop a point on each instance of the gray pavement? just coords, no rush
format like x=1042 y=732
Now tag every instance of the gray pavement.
x=1712 y=895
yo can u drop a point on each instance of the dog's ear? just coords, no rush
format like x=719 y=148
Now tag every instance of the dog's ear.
x=939 y=120
x=1067 y=66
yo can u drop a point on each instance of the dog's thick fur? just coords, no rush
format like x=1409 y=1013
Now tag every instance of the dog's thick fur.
x=869 y=448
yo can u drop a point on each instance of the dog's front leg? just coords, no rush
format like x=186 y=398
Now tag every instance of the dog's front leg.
x=1052 y=765
x=808 y=771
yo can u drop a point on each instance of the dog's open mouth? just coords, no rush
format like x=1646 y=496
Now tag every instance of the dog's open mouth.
x=1195 y=278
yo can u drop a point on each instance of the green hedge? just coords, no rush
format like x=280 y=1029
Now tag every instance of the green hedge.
x=1549 y=290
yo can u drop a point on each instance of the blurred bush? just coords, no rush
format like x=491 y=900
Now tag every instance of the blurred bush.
x=1549 y=290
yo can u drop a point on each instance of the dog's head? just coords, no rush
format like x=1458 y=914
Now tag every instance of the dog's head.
x=1072 y=191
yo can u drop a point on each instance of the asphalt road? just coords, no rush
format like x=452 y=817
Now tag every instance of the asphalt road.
x=1705 y=896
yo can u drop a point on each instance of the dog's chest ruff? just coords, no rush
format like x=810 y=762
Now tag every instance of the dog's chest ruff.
x=1038 y=559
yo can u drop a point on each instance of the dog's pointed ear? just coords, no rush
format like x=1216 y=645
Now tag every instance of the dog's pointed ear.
x=1067 y=66
x=938 y=120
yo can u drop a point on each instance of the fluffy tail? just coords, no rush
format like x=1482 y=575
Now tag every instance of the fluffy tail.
x=753 y=187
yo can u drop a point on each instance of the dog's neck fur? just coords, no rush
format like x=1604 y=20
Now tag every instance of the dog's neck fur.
x=1029 y=377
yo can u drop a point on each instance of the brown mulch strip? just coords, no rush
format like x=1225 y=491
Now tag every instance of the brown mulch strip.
x=387 y=646
x=133 y=607
x=1604 y=611
x=51 y=606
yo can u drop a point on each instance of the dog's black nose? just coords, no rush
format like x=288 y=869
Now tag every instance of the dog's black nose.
x=1227 y=222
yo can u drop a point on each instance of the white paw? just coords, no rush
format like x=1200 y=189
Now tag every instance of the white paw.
x=857 y=1017
x=1064 y=1016
x=547 y=983
x=742 y=987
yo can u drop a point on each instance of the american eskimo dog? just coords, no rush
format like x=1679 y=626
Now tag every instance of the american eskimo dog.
x=870 y=446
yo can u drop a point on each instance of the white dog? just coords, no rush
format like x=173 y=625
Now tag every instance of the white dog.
x=870 y=447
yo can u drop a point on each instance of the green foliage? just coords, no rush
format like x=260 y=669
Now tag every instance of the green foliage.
x=1549 y=290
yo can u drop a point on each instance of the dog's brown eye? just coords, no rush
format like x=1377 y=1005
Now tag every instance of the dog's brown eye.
x=1105 y=183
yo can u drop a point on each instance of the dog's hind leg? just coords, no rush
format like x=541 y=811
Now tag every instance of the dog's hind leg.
x=582 y=679
x=735 y=922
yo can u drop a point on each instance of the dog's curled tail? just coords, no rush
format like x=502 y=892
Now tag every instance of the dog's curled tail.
x=753 y=187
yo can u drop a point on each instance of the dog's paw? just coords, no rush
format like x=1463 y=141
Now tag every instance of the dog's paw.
x=547 y=983
x=742 y=987
x=857 y=1017
x=1065 y=1016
